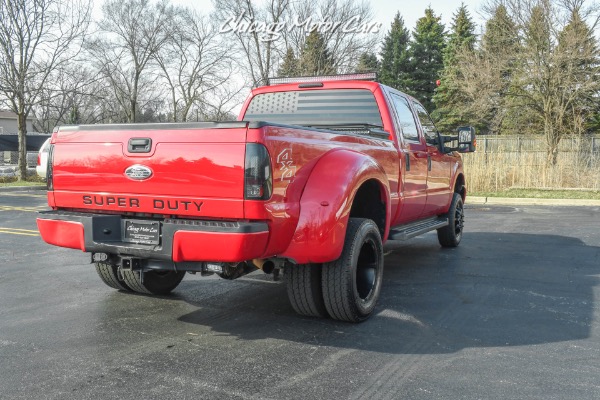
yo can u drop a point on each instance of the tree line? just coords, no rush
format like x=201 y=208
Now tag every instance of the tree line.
x=152 y=61
x=535 y=68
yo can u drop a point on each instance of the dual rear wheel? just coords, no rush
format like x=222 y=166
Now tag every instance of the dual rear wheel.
x=346 y=289
x=150 y=282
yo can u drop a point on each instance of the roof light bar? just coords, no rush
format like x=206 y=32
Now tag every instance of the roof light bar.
x=367 y=76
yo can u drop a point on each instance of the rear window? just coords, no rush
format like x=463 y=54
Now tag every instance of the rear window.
x=315 y=107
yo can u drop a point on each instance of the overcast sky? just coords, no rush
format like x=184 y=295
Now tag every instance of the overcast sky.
x=384 y=10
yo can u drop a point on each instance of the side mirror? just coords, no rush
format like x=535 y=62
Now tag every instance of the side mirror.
x=463 y=142
x=467 y=143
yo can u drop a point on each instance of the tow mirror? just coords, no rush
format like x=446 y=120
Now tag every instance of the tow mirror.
x=467 y=143
x=463 y=142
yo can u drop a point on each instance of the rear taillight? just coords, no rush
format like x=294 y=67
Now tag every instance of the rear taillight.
x=258 y=180
x=39 y=160
x=49 y=168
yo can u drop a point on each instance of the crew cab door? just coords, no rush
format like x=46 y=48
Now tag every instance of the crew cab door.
x=439 y=166
x=413 y=161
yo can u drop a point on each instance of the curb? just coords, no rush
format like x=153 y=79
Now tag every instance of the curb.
x=532 y=201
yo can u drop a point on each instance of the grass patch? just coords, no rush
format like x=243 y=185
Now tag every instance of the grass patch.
x=31 y=181
x=541 y=194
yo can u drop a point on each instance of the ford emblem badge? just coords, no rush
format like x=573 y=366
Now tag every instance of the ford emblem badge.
x=138 y=172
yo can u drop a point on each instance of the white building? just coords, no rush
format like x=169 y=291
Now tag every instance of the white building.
x=8 y=123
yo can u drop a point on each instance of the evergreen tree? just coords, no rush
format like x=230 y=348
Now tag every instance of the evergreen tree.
x=395 y=67
x=500 y=49
x=289 y=66
x=592 y=124
x=533 y=80
x=538 y=33
x=500 y=32
x=449 y=99
x=316 y=58
x=577 y=44
x=367 y=62
x=578 y=54
x=427 y=57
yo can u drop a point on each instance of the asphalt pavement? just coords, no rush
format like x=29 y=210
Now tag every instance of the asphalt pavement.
x=513 y=313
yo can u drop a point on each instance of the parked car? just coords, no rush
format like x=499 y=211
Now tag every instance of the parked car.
x=42 y=159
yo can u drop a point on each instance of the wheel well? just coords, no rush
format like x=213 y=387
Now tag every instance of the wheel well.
x=459 y=187
x=368 y=203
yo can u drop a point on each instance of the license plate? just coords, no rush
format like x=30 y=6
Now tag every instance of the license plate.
x=141 y=232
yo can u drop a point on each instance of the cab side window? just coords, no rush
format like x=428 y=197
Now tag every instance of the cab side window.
x=406 y=119
x=429 y=129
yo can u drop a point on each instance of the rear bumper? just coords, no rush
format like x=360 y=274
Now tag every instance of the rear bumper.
x=181 y=240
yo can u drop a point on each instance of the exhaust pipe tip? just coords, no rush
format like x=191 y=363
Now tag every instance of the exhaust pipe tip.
x=267 y=266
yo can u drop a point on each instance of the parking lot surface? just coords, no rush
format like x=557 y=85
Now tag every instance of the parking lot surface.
x=513 y=313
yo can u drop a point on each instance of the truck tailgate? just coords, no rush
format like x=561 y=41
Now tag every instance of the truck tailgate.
x=184 y=169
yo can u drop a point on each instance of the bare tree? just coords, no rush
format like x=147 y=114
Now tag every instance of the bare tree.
x=194 y=62
x=487 y=75
x=269 y=29
x=36 y=38
x=222 y=102
x=259 y=49
x=350 y=33
x=74 y=95
x=132 y=32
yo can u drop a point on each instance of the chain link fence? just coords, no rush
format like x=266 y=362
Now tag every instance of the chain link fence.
x=12 y=158
x=502 y=163
x=9 y=156
x=495 y=144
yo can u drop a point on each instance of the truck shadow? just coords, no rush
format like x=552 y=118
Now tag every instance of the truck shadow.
x=494 y=290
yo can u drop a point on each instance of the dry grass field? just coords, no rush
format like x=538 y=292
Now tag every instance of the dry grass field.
x=501 y=164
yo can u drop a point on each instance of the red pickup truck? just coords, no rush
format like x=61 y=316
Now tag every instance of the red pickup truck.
x=340 y=166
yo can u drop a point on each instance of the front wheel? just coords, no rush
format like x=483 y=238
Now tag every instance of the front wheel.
x=352 y=283
x=451 y=234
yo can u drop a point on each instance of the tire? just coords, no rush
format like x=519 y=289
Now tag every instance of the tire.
x=110 y=276
x=450 y=235
x=352 y=283
x=304 y=289
x=153 y=282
